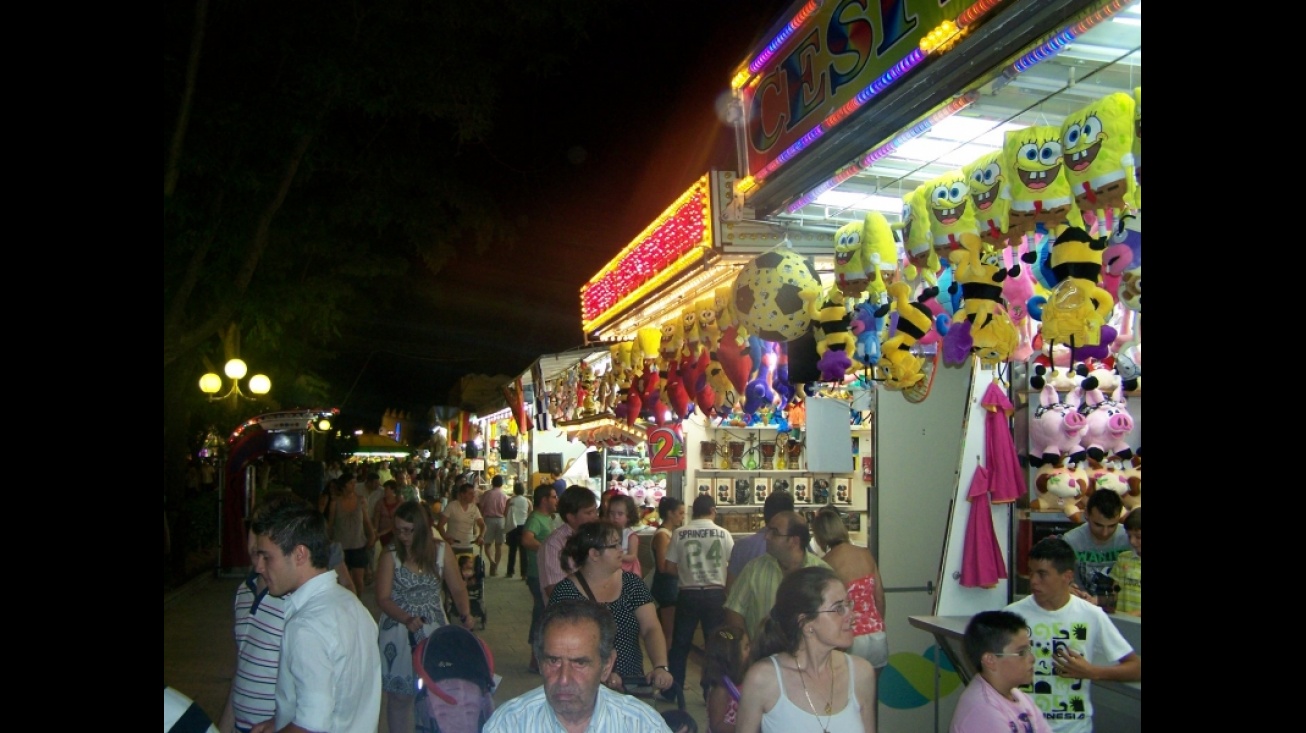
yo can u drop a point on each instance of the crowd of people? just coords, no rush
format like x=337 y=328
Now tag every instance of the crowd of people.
x=793 y=639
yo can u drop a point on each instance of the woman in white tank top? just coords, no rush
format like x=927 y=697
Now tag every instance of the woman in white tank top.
x=802 y=682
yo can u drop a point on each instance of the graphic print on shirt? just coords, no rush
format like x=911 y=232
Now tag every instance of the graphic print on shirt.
x=1060 y=698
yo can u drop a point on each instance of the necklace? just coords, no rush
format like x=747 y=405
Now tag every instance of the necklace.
x=825 y=726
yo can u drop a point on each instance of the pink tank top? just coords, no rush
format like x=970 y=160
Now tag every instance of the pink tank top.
x=861 y=594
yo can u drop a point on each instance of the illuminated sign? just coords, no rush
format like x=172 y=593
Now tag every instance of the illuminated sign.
x=843 y=54
x=675 y=240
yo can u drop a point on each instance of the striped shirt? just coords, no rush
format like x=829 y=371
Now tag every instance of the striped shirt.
x=614 y=712
x=753 y=593
x=258 y=652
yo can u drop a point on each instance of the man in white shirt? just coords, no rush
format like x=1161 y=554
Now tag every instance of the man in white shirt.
x=576 y=647
x=699 y=554
x=329 y=675
x=1074 y=641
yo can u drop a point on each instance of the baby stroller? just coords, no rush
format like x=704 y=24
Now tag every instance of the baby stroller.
x=472 y=567
x=456 y=681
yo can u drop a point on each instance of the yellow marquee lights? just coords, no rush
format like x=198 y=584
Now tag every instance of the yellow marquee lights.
x=943 y=37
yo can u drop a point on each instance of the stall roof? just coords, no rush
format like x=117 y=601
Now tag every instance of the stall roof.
x=1106 y=58
x=374 y=444
x=551 y=365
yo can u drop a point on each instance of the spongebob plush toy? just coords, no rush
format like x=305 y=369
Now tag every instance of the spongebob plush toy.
x=883 y=247
x=1098 y=151
x=951 y=212
x=922 y=260
x=708 y=327
x=1035 y=185
x=992 y=212
x=852 y=262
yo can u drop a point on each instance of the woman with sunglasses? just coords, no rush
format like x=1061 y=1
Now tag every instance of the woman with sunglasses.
x=802 y=681
x=595 y=550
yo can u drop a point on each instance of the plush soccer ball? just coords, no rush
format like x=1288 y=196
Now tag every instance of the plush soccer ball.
x=770 y=296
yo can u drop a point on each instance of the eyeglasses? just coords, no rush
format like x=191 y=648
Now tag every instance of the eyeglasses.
x=773 y=532
x=1024 y=651
x=842 y=608
x=608 y=547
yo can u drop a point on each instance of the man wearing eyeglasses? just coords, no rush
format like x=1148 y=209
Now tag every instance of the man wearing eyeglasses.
x=997 y=644
x=1074 y=641
x=752 y=594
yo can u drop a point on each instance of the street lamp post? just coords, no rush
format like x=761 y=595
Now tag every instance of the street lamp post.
x=235 y=369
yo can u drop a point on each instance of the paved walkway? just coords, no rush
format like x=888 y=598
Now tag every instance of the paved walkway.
x=199 y=654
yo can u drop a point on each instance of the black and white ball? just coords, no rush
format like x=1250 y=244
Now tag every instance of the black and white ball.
x=769 y=295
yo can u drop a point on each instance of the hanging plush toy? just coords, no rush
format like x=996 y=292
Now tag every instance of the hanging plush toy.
x=649 y=340
x=866 y=327
x=1035 y=185
x=852 y=259
x=1098 y=150
x=902 y=368
x=723 y=298
x=982 y=327
x=835 y=343
x=771 y=293
x=951 y=213
x=1078 y=307
x=758 y=392
x=709 y=328
x=1017 y=290
x=992 y=212
x=922 y=261
x=672 y=339
x=883 y=248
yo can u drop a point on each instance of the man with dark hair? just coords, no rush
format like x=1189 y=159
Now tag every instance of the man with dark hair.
x=1097 y=543
x=329 y=675
x=493 y=504
x=697 y=554
x=463 y=525
x=755 y=546
x=539 y=525
x=997 y=644
x=518 y=510
x=576 y=506
x=1074 y=641
x=753 y=593
x=576 y=647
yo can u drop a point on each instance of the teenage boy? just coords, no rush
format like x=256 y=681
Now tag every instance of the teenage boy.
x=1074 y=641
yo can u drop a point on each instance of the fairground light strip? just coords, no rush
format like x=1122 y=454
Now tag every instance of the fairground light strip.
x=1062 y=38
x=938 y=40
x=867 y=160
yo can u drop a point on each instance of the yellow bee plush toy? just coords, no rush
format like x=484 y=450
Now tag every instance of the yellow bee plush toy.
x=1098 y=150
x=982 y=326
x=903 y=368
x=1078 y=306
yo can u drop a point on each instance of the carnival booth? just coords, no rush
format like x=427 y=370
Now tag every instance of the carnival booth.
x=976 y=170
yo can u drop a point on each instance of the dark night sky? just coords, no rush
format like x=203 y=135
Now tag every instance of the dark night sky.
x=626 y=129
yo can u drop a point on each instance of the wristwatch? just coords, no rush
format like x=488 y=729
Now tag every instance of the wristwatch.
x=662 y=666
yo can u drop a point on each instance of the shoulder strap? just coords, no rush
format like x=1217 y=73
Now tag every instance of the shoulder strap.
x=580 y=578
x=439 y=559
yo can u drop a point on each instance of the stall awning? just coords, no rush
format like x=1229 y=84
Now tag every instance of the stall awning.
x=372 y=444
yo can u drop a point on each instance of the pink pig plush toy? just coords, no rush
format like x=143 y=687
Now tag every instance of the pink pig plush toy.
x=1056 y=429
x=1107 y=423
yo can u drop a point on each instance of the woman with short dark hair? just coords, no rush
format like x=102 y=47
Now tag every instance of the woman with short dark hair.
x=595 y=550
